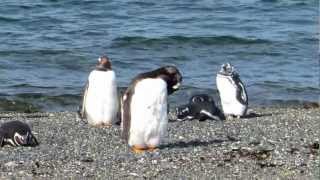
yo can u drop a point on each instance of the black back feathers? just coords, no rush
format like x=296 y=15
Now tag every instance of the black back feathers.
x=17 y=133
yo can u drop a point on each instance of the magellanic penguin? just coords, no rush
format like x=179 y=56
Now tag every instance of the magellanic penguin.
x=100 y=99
x=17 y=133
x=201 y=107
x=144 y=108
x=232 y=91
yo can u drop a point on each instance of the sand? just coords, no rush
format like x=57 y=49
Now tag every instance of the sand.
x=278 y=142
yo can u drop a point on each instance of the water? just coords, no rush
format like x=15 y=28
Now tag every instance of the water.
x=48 y=47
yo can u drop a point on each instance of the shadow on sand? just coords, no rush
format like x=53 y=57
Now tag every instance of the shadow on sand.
x=255 y=115
x=193 y=143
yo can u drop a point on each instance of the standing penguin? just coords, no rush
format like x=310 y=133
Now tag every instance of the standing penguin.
x=144 y=107
x=100 y=99
x=16 y=133
x=233 y=95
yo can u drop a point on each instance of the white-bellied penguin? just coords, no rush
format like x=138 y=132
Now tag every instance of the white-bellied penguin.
x=233 y=94
x=100 y=100
x=16 y=133
x=144 y=107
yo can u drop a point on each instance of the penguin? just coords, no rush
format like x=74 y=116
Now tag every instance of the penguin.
x=17 y=133
x=232 y=91
x=100 y=102
x=201 y=107
x=144 y=108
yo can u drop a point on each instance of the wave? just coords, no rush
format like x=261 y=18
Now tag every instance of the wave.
x=169 y=40
x=8 y=19
x=36 y=52
x=39 y=102
x=32 y=86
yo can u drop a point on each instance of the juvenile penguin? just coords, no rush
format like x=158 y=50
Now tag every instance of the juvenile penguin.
x=201 y=107
x=16 y=133
x=100 y=99
x=232 y=91
x=144 y=108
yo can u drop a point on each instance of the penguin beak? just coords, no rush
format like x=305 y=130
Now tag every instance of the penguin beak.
x=175 y=87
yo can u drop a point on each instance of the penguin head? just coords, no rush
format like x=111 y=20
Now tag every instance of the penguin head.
x=17 y=133
x=25 y=139
x=184 y=112
x=227 y=69
x=172 y=76
x=104 y=63
x=200 y=98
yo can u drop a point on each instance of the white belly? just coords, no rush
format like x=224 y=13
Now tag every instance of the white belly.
x=148 y=113
x=228 y=96
x=101 y=102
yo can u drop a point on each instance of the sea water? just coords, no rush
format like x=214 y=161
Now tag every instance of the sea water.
x=48 y=47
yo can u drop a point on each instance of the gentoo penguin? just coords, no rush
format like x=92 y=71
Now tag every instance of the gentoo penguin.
x=100 y=99
x=201 y=107
x=233 y=95
x=144 y=107
x=17 y=133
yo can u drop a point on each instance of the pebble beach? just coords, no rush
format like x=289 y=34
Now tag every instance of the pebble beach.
x=271 y=143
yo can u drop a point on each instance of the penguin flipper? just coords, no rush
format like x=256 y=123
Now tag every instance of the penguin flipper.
x=125 y=115
x=242 y=96
x=82 y=110
x=1 y=139
x=210 y=115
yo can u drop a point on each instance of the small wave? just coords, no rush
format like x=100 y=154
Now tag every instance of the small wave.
x=31 y=86
x=17 y=106
x=211 y=40
x=8 y=19
x=37 y=102
x=35 y=52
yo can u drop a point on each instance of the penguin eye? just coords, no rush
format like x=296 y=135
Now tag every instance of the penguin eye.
x=198 y=99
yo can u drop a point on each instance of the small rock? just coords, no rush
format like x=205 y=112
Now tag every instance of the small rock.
x=10 y=164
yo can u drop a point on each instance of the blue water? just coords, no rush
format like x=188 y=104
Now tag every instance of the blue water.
x=48 y=47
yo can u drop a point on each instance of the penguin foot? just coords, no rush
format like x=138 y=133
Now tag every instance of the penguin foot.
x=138 y=149
x=152 y=148
x=229 y=117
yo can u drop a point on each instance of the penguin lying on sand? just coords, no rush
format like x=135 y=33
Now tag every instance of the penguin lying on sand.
x=144 y=107
x=232 y=91
x=200 y=107
x=16 y=133
x=100 y=99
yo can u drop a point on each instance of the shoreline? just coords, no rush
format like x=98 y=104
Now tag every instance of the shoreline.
x=279 y=142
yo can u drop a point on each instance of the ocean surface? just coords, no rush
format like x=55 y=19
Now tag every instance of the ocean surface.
x=48 y=47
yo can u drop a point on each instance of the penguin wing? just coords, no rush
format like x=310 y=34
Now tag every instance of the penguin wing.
x=242 y=96
x=1 y=139
x=82 y=108
x=208 y=115
x=126 y=115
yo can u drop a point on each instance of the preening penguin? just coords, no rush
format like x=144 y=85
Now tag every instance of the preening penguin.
x=144 y=107
x=100 y=99
x=232 y=91
x=201 y=107
x=17 y=133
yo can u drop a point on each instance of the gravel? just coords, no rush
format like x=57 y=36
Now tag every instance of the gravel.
x=275 y=143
